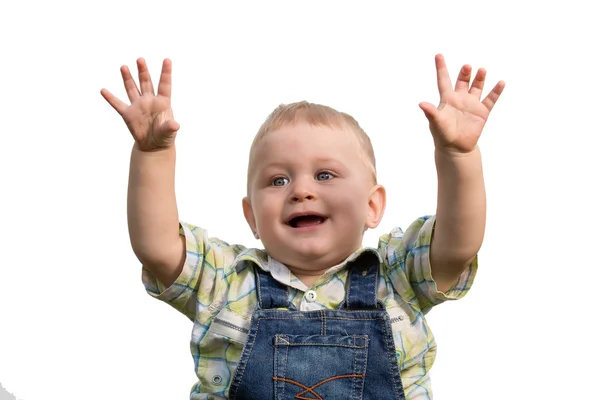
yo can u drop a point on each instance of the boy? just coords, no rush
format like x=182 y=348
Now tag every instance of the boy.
x=314 y=314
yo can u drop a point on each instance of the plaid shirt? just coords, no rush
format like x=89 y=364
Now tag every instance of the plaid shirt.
x=217 y=291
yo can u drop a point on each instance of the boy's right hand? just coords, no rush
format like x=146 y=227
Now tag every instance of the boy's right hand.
x=149 y=117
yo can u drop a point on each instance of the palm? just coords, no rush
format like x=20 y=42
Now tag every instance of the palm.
x=149 y=117
x=145 y=118
x=458 y=121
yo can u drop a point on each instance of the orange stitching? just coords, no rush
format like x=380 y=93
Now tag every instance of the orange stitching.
x=310 y=389
x=337 y=377
x=301 y=385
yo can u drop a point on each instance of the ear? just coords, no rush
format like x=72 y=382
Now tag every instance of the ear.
x=249 y=214
x=376 y=207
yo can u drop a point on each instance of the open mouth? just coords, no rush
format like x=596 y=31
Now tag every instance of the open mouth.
x=303 y=221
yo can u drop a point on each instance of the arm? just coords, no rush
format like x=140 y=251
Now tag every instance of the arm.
x=456 y=125
x=460 y=216
x=151 y=207
x=152 y=213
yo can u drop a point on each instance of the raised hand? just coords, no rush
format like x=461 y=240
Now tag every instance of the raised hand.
x=457 y=122
x=149 y=117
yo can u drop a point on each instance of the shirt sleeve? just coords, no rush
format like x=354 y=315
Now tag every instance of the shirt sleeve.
x=407 y=255
x=206 y=260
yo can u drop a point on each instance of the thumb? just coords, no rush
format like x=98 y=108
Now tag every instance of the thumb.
x=169 y=128
x=431 y=111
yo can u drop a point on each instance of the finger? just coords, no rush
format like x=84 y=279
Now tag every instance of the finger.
x=492 y=98
x=130 y=86
x=144 y=75
x=464 y=78
x=164 y=85
x=443 y=78
x=478 y=82
x=117 y=104
x=430 y=111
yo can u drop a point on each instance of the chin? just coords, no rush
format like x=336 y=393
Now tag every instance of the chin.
x=292 y=255
x=324 y=257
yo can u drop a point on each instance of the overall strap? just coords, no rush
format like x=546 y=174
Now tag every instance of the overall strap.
x=271 y=293
x=363 y=276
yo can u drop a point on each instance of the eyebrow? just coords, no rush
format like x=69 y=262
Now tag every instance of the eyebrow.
x=321 y=160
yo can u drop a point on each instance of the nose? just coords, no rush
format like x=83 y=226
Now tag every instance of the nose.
x=301 y=191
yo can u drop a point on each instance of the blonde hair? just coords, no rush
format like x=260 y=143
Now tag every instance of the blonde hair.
x=316 y=115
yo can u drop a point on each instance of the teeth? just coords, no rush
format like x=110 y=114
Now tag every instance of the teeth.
x=306 y=220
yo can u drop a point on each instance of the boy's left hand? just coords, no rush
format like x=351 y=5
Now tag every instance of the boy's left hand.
x=458 y=121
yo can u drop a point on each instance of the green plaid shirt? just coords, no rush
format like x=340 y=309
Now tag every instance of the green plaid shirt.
x=217 y=291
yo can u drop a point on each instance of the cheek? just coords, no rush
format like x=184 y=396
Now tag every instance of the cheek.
x=355 y=204
x=352 y=209
x=268 y=212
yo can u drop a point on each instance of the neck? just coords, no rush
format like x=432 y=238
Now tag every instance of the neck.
x=307 y=279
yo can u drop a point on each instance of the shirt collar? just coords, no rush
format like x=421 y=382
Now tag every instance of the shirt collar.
x=281 y=273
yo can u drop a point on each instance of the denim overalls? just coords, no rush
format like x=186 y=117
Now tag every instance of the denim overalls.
x=344 y=354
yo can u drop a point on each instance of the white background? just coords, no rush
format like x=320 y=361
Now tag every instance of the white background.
x=75 y=321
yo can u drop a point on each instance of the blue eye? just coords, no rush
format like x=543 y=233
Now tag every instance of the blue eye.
x=324 y=176
x=280 y=181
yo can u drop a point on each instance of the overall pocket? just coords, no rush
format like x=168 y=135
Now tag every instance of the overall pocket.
x=320 y=367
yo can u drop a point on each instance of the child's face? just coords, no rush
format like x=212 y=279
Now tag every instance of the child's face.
x=311 y=196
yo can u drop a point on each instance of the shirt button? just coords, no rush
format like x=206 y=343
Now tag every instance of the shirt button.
x=310 y=296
